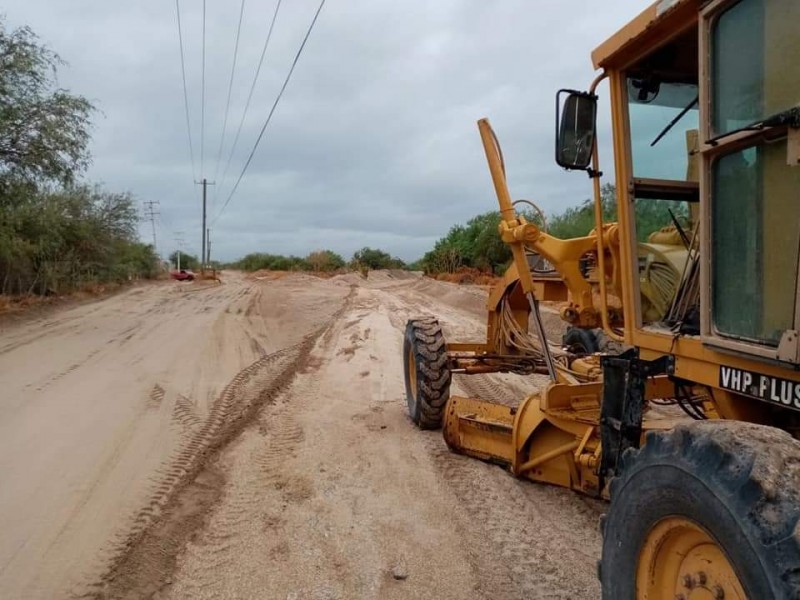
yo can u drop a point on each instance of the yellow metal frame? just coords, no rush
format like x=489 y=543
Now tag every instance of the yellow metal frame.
x=553 y=436
x=565 y=255
x=695 y=360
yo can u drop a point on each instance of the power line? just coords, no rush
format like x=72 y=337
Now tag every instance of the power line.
x=250 y=95
x=230 y=88
x=272 y=110
x=166 y=231
x=203 y=96
x=185 y=93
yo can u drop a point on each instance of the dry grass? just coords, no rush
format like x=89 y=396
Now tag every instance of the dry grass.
x=16 y=304
x=468 y=276
x=20 y=304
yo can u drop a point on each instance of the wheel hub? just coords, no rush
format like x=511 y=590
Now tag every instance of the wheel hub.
x=679 y=560
x=412 y=372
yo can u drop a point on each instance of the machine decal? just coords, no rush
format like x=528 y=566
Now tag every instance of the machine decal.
x=764 y=387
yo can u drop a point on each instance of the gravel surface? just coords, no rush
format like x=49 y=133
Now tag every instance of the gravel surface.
x=250 y=440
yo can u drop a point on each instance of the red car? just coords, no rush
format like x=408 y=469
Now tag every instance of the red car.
x=182 y=275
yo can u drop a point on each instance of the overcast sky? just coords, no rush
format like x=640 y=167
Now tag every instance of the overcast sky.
x=374 y=142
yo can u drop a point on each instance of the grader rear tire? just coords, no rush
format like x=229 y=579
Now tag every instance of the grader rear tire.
x=426 y=372
x=707 y=510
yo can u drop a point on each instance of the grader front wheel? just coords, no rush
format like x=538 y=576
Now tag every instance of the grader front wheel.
x=426 y=372
x=709 y=510
x=681 y=557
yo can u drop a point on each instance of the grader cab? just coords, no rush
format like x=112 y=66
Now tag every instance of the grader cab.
x=696 y=281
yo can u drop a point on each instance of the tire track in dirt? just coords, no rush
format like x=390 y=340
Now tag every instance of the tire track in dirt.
x=253 y=545
x=331 y=492
x=159 y=529
x=243 y=523
x=528 y=535
x=184 y=412
x=529 y=540
x=144 y=559
x=157 y=395
x=57 y=329
x=64 y=324
x=72 y=368
x=486 y=388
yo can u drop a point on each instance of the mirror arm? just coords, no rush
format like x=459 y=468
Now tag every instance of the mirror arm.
x=598 y=224
x=594 y=171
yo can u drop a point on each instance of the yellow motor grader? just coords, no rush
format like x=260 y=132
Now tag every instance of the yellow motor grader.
x=705 y=491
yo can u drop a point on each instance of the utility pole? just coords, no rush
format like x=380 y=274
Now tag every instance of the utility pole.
x=205 y=183
x=208 y=246
x=151 y=213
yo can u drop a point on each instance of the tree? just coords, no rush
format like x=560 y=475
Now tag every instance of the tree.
x=137 y=260
x=56 y=235
x=44 y=130
x=57 y=241
x=373 y=258
x=188 y=261
x=579 y=221
x=650 y=215
x=324 y=260
x=256 y=261
x=477 y=244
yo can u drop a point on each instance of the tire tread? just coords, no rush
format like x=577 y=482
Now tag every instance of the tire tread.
x=425 y=338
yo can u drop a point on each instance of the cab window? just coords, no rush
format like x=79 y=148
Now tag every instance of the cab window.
x=755 y=62
x=755 y=194
x=663 y=120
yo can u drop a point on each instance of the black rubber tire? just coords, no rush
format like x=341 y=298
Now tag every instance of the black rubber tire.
x=739 y=481
x=579 y=341
x=428 y=396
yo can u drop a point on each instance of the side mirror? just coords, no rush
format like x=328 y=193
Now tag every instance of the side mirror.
x=575 y=129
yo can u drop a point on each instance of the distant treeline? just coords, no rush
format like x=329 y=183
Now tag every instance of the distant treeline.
x=319 y=261
x=57 y=234
x=475 y=245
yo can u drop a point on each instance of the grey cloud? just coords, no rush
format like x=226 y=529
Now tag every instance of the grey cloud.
x=374 y=142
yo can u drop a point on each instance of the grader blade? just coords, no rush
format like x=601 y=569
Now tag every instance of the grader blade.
x=479 y=428
x=559 y=449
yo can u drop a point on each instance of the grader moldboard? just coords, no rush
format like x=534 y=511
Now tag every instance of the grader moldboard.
x=706 y=134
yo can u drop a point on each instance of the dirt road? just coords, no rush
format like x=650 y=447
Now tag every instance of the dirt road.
x=250 y=441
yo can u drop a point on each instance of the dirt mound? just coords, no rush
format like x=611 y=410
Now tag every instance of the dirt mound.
x=347 y=279
x=401 y=274
x=470 y=298
x=267 y=274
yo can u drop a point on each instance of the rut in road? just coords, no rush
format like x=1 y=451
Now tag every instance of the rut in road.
x=101 y=400
x=297 y=476
x=529 y=539
x=325 y=498
x=145 y=558
x=333 y=493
